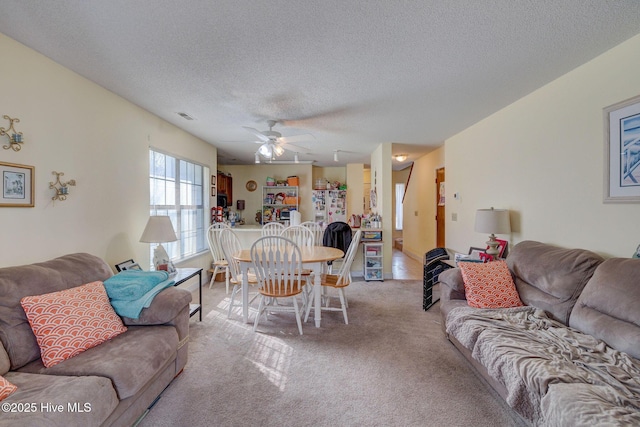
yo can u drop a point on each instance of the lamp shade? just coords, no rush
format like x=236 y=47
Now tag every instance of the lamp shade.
x=493 y=221
x=158 y=230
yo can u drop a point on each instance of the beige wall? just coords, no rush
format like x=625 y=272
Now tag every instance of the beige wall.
x=74 y=126
x=355 y=189
x=420 y=205
x=542 y=158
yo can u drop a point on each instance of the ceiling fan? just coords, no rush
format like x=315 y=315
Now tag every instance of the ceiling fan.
x=273 y=143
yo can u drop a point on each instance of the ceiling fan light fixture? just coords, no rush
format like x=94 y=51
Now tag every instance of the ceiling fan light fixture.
x=278 y=150
x=400 y=157
x=266 y=151
x=296 y=159
x=335 y=156
x=257 y=158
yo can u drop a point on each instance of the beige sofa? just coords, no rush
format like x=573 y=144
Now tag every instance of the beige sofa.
x=571 y=356
x=109 y=385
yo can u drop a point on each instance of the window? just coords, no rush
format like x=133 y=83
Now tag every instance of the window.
x=177 y=189
x=399 y=197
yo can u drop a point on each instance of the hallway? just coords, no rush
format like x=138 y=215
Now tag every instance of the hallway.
x=405 y=267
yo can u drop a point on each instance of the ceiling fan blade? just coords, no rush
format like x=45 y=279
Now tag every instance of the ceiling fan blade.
x=257 y=133
x=297 y=138
x=296 y=148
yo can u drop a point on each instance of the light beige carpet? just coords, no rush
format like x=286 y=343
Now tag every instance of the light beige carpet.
x=390 y=366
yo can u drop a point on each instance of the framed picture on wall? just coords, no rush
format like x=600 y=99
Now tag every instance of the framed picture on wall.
x=17 y=185
x=622 y=152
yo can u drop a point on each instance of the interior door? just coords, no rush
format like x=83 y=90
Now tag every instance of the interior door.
x=440 y=200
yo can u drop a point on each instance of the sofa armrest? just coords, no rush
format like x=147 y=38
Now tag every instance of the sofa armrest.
x=451 y=285
x=164 y=308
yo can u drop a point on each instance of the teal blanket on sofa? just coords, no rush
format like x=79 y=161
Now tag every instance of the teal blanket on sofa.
x=132 y=290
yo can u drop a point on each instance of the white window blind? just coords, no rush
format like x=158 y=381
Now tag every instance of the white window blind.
x=178 y=189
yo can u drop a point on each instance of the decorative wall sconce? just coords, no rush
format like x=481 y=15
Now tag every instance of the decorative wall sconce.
x=62 y=188
x=15 y=137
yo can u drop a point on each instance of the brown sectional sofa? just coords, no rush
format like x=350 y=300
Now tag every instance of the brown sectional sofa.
x=109 y=385
x=571 y=357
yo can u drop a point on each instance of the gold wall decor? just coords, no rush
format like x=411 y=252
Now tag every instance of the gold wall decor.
x=15 y=137
x=61 y=188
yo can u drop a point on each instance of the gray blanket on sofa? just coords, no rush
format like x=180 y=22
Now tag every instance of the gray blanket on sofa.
x=555 y=375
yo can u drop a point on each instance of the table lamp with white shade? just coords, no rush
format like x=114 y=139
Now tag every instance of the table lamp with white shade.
x=160 y=230
x=493 y=221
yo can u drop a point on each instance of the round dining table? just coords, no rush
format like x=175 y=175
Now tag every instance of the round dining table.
x=312 y=258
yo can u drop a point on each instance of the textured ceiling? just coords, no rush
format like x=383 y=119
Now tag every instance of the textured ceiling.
x=350 y=73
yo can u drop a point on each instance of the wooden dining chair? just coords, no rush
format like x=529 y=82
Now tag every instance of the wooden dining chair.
x=219 y=262
x=277 y=263
x=339 y=281
x=272 y=229
x=230 y=244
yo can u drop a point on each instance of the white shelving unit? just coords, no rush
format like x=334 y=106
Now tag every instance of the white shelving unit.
x=278 y=202
x=373 y=261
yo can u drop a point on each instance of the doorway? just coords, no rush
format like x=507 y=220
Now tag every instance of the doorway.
x=440 y=200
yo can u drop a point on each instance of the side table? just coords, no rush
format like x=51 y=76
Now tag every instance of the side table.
x=185 y=274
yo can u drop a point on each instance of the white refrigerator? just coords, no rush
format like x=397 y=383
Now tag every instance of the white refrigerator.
x=330 y=205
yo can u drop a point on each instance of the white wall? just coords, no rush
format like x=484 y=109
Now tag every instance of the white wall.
x=74 y=126
x=542 y=158
x=419 y=210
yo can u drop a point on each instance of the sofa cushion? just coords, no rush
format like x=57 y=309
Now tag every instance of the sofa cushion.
x=68 y=322
x=608 y=306
x=36 y=279
x=489 y=285
x=5 y=363
x=130 y=360
x=549 y=277
x=6 y=388
x=94 y=396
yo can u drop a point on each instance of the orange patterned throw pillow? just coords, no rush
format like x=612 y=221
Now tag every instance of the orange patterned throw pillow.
x=489 y=285
x=68 y=322
x=6 y=388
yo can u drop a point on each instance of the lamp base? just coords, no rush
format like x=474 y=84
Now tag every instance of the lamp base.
x=161 y=259
x=493 y=247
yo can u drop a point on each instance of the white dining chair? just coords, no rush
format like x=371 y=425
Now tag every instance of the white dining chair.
x=277 y=263
x=230 y=244
x=272 y=229
x=219 y=262
x=316 y=229
x=300 y=235
x=339 y=281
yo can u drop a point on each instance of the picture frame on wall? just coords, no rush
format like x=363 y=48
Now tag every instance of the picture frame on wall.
x=622 y=152
x=17 y=185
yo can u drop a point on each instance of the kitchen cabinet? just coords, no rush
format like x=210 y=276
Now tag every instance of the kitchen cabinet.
x=225 y=186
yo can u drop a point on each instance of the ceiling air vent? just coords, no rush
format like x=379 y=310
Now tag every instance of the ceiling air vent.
x=185 y=116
